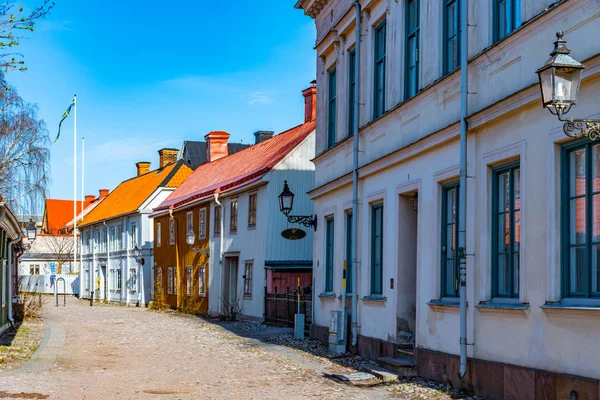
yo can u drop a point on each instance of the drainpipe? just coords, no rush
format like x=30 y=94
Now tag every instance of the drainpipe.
x=10 y=268
x=222 y=243
x=462 y=201
x=107 y=253
x=354 y=233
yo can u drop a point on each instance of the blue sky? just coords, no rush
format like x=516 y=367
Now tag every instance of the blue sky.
x=149 y=75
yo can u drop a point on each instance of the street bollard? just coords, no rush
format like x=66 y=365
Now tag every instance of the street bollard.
x=92 y=299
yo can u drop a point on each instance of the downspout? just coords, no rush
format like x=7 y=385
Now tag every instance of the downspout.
x=221 y=244
x=10 y=268
x=354 y=233
x=107 y=253
x=462 y=200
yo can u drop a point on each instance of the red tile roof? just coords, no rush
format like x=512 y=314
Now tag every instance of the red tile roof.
x=58 y=212
x=237 y=169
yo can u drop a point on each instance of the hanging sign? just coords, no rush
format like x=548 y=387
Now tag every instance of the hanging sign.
x=293 y=234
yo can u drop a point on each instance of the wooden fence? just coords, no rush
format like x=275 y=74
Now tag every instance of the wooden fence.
x=46 y=285
x=280 y=308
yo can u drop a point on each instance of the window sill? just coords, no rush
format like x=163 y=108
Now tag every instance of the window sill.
x=233 y=232
x=448 y=305
x=327 y=295
x=251 y=227
x=375 y=298
x=494 y=306
x=564 y=309
x=348 y=296
x=247 y=297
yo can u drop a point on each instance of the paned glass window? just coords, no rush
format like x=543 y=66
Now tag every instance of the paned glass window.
x=351 y=90
x=507 y=17
x=248 y=278
x=217 y=222
x=380 y=56
x=202 y=223
x=450 y=261
x=171 y=231
x=451 y=35
x=329 y=254
x=190 y=280
x=332 y=117
x=252 y=210
x=158 y=234
x=411 y=83
x=233 y=216
x=349 y=245
x=377 y=249
x=202 y=280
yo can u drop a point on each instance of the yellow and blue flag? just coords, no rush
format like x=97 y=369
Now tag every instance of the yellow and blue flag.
x=65 y=115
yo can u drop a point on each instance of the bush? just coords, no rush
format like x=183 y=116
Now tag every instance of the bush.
x=28 y=305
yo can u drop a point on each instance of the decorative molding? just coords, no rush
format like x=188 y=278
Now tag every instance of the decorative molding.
x=409 y=186
x=377 y=196
x=446 y=175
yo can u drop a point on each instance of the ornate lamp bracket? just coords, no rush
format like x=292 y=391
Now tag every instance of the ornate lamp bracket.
x=306 y=220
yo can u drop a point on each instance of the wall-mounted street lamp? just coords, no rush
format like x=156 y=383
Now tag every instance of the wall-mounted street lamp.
x=31 y=230
x=560 y=78
x=137 y=255
x=286 y=203
x=190 y=239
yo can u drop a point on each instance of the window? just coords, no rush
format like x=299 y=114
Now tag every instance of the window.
x=329 y=249
x=112 y=237
x=189 y=222
x=134 y=235
x=4 y=280
x=411 y=83
x=34 y=269
x=379 y=103
x=202 y=223
x=159 y=280
x=351 y=90
x=233 y=216
x=332 y=108
x=87 y=279
x=217 y=223
x=450 y=261
x=252 y=210
x=506 y=231
x=507 y=17
x=158 y=235
x=132 y=279
x=201 y=281
x=87 y=242
x=248 y=278
x=581 y=233
x=451 y=35
x=348 y=252
x=120 y=237
x=171 y=231
x=377 y=249
x=119 y=279
x=103 y=240
x=190 y=282
x=170 y=280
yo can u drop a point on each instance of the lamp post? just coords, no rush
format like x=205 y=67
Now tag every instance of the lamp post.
x=560 y=78
x=31 y=230
x=286 y=203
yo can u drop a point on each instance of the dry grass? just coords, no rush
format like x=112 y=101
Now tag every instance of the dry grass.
x=16 y=348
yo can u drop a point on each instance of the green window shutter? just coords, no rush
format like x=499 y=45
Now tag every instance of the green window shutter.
x=449 y=250
x=377 y=249
x=329 y=249
x=506 y=230
x=331 y=130
x=380 y=56
x=411 y=71
x=351 y=90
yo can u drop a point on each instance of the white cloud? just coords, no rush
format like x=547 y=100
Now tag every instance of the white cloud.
x=260 y=97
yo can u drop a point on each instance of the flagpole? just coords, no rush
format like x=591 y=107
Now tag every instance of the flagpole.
x=74 y=180
x=82 y=199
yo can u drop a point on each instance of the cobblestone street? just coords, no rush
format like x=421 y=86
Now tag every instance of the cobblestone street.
x=106 y=352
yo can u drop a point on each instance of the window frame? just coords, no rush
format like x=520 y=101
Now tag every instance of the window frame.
x=171 y=231
x=170 y=280
x=189 y=222
x=381 y=60
x=351 y=89
x=446 y=38
x=329 y=257
x=134 y=235
x=202 y=281
x=496 y=172
x=189 y=270
x=248 y=266
x=514 y=19
x=132 y=279
x=374 y=289
x=331 y=107
x=233 y=215
x=252 y=209
x=158 y=235
x=159 y=279
x=217 y=221
x=588 y=295
x=415 y=33
x=202 y=223
x=444 y=239
x=120 y=237
x=349 y=246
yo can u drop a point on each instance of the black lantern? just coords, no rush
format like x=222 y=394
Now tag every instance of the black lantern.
x=286 y=202
x=286 y=199
x=31 y=230
x=560 y=78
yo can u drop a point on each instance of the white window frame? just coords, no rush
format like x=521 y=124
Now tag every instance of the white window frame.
x=189 y=221
x=171 y=231
x=158 y=235
x=119 y=237
x=170 y=280
x=189 y=280
x=202 y=280
x=134 y=238
x=202 y=223
x=132 y=279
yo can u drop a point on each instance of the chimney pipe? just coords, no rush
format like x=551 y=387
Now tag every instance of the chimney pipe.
x=90 y=198
x=103 y=193
x=310 y=102
x=216 y=145
x=261 y=136
x=167 y=156
x=143 y=167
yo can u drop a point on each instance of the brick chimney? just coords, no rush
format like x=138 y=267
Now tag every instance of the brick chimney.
x=167 y=156
x=142 y=167
x=261 y=136
x=89 y=198
x=216 y=145
x=103 y=193
x=310 y=103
